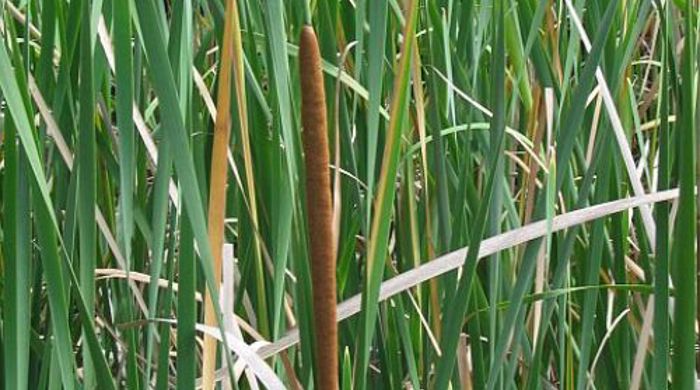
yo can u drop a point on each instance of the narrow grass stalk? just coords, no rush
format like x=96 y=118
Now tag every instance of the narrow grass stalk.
x=87 y=178
x=319 y=209
x=186 y=309
x=685 y=269
x=16 y=251
x=217 y=190
x=661 y=269
x=123 y=102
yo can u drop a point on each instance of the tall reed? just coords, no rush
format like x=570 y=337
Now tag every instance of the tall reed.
x=217 y=189
x=685 y=268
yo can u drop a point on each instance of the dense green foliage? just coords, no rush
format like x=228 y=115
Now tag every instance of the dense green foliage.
x=513 y=187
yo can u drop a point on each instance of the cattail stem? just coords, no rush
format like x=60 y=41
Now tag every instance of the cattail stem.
x=319 y=209
x=307 y=11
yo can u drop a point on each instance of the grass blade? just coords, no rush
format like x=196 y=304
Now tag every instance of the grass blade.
x=685 y=269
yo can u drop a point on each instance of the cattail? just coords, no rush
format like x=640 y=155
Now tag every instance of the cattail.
x=319 y=209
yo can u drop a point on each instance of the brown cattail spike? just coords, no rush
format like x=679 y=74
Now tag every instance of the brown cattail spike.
x=319 y=209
